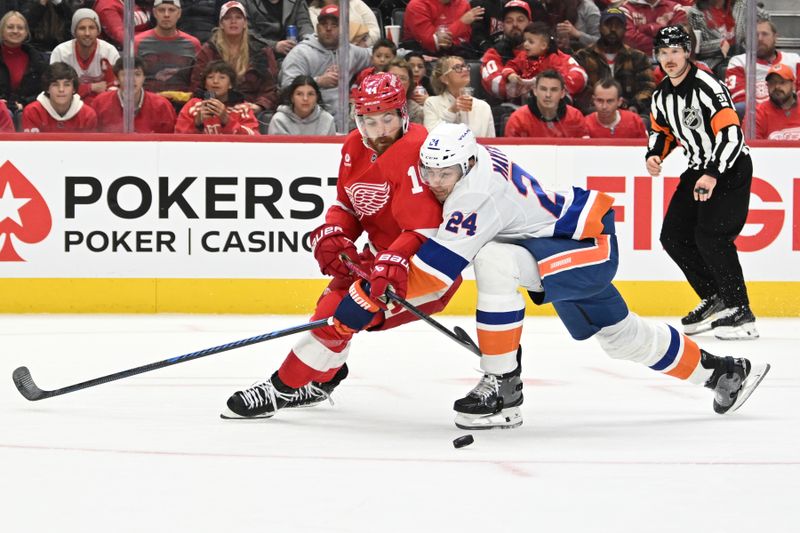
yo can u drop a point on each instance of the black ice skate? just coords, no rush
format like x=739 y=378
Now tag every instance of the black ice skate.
x=735 y=323
x=493 y=403
x=703 y=315
x=261 y=400
x=315 y=393
x=733 y=380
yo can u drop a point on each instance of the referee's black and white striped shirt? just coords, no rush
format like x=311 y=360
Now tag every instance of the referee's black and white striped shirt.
x=698 y=114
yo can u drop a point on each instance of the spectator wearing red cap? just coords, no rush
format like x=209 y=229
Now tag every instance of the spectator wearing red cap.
x=610 y=57
x=547 y=113
x=489 y=31
x=609 y=121
x=778 y=119
x=441 y=27
x=361 y=15
x=256 y=69
x=646 y=17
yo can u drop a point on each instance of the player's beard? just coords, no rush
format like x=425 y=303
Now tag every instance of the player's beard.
x=381 y=144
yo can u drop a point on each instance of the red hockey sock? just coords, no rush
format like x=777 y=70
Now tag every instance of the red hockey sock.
x=327 y=375
x=295 y=373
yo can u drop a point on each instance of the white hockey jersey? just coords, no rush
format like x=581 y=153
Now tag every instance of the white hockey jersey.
x=499 y=201
x=96 y=68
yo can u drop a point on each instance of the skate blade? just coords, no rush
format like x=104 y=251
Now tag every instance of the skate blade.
x=737 y=333
x=700 y=327
x=230 y=415
x=753 y=380
x=506 y=419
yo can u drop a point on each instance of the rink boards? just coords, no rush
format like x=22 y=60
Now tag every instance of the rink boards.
x=169 y=224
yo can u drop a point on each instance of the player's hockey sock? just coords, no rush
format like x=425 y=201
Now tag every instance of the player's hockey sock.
x=295 y=373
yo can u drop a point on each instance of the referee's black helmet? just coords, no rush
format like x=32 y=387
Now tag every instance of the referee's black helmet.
x=672 y=37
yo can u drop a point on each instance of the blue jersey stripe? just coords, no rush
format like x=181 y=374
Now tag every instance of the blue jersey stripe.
x=568 y=223
x=498 y=319
x=442 y=259
x=672 y=351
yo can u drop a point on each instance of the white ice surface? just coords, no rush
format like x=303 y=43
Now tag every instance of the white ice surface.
x=606 y=445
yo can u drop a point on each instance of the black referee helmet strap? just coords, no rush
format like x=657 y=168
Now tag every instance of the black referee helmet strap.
x=672 y=37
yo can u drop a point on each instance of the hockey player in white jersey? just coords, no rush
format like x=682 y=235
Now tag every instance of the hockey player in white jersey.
x=561 y=247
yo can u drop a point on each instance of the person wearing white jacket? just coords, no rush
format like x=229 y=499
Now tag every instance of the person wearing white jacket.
x=360 y=13
x=301 y=113
x=454 y=102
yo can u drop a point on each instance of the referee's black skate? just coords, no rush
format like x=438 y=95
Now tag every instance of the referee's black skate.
x=701 y=317
x=733 y=380
x=262 y=400
x=736 y=323
x=493 y=403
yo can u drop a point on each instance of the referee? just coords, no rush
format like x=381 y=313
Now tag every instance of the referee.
x=693 y=109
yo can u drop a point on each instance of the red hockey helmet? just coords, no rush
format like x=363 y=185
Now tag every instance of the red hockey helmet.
x=377 y=94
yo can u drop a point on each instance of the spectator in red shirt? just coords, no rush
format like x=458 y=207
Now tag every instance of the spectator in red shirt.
x=59 y=108
x=441 y=27
x=547 y=113
x=540 y=53
x=646 y=17
x=6 y=120
x=778 y=119
x=516 y=17
x=110 y=13
x=221 y=109
x=609 y=121
x=152 y=114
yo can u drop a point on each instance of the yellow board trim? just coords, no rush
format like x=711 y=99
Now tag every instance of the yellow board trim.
x=294 y=296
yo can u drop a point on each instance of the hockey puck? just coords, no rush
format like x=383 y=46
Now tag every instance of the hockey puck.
x=464 y=440
x=701 y=190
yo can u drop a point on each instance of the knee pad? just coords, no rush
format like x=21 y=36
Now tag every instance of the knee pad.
x=501 y=268
x=635 y=339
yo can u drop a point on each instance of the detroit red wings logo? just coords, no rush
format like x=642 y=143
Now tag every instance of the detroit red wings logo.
x=368 y=198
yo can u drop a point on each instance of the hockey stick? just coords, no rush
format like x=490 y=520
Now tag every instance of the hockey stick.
x=27 y=387
x=458 y=334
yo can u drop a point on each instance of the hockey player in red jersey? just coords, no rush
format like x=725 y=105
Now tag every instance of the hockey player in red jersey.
x=380 y=194
x=58 y=108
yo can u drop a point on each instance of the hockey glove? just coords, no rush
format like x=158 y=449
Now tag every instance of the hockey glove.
x=390 y=270
x=328 y=243
x=356 y=310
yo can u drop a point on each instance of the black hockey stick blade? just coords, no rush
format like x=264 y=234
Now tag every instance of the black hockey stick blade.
x=458 y=334
x=28 y=388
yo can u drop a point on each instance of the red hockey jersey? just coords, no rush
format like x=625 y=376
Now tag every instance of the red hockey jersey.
x=384 y=195
x=155 y=113
x=39 y=116
x=628 y=126
x=645 y=19
x=574 y=75
x=422 y=17
x=775 y=124
x=241 y=120
x=523 y=123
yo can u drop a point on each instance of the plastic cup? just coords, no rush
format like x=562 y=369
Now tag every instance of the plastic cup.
x=393 y=33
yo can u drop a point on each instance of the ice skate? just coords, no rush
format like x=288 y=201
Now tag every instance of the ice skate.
x=261 y=400
x=735 y=323
x=703 y=315
x=733 y=381
x=315 y=393
x=493 y=403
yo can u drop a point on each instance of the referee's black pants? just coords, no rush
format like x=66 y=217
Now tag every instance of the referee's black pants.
x=699 y=236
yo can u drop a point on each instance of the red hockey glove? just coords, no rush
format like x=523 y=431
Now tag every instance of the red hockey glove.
x=390 y=270
x=356 y=310
x=328 y=243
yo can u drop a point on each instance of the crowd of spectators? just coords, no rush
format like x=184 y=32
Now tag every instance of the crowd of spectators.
x=516 y=68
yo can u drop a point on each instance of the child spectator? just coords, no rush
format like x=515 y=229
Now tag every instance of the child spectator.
x=382 y=53
x=59 y=108
x=455 y=102
x=153 y=113
x=301 y=113
x=92 y=58
x=609 y=121
x=256 y=70
x=540 y=53
x=421 y=82
x=21 y=65
x=221 y=109
x=401 y=69
x=547 y=113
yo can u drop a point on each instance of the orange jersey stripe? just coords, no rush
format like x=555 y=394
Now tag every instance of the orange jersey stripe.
x=665 y=131
x=593 y=227
x=420 y=283
x=499 y=342
x=689 y=360
x=724 y=118
x=583 y=256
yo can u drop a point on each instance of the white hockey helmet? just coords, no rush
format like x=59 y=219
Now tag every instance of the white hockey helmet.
x=448 y=145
